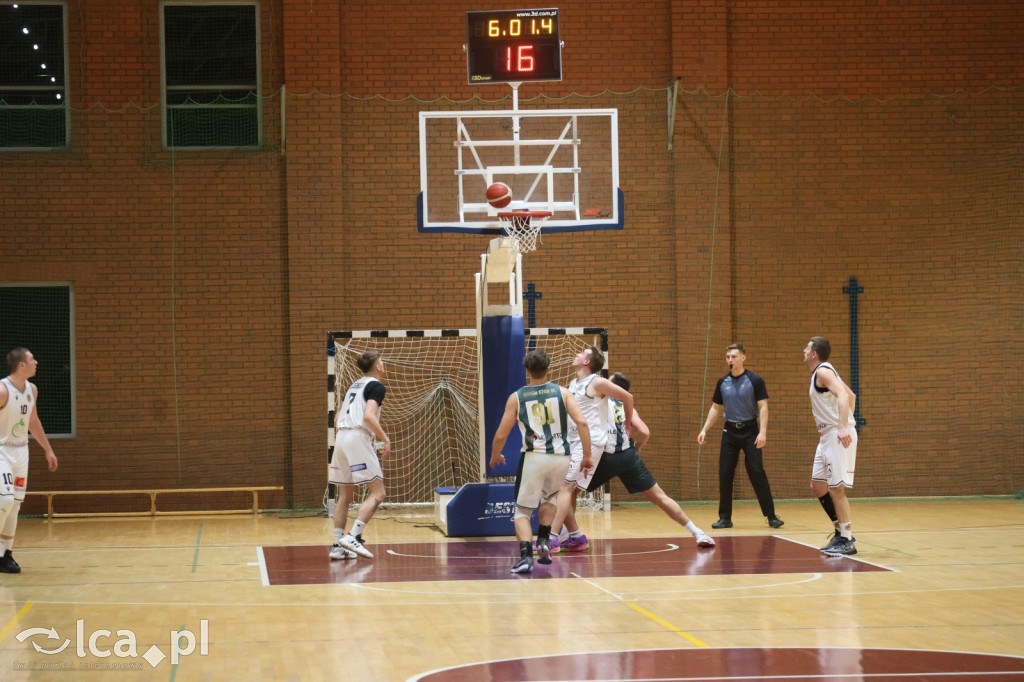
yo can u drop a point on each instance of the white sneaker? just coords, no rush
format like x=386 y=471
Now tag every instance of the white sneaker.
x=703 y=539
x=339 y=552
x=351 y=544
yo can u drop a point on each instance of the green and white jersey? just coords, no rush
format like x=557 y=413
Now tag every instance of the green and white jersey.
x=543 y=421
x=618 y=441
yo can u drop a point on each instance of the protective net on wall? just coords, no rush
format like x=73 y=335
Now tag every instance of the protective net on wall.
x=430 y=412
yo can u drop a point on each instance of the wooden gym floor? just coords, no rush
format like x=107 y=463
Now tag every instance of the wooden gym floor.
x=936 y=592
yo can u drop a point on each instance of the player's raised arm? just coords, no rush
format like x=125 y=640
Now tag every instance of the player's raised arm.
x=641 y=434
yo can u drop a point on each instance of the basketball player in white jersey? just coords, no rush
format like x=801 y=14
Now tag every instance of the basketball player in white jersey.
x=543 y=410
x=622 y=460
x=832 y=404
x=18 y=418
x=355 y=461
x=591 y=391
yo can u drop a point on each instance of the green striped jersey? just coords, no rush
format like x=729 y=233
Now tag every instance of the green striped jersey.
x=617 y=438
x=543 y=421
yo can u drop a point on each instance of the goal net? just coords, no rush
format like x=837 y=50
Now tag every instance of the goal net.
x=431 y=412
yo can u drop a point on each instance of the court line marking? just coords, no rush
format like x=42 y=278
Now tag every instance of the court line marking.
x=810 y=579
x=262 y=561
x=644 y=612
x=14 y=621
x=421 y=676
x=24 y=548
x=669 y=548
x=513 y=598
x=665 y=624
x=813 y=577
x=199 y=539
x=852 y=558
x=816 y=676
x=174 y=666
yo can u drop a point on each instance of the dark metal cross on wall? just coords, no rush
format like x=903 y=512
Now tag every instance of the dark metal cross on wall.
x=532 y=296
x=853 y=289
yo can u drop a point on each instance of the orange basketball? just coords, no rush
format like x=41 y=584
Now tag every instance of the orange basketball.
x=499 y=195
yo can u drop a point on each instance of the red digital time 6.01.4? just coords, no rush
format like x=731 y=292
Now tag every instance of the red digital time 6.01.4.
x=505 y=46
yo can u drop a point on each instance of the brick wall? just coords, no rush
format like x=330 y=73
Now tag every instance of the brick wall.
x=808 y=146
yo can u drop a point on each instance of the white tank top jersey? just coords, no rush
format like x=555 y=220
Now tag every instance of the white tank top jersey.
x=594 y=409
x=15 y=414
x=825 y=405
x=354 y=409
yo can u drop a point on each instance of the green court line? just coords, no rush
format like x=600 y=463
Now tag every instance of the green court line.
x=195 y=559
x=854 y=500
x=174 y=666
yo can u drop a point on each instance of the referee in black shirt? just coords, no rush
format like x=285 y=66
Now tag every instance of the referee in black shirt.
x=743 y=396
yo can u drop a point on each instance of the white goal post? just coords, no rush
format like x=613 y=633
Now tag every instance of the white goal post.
x=431 y=411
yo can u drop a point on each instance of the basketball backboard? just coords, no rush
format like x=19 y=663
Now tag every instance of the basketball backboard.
x=564 y=161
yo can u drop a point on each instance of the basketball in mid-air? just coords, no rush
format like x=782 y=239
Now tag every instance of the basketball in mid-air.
x=499 y=195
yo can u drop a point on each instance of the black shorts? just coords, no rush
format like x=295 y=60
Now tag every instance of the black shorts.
x=627 y=466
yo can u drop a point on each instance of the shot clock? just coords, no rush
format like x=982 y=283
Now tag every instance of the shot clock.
x=516 y=45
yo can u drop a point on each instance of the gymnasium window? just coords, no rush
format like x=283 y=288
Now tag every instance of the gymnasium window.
x=34 y=111
x=210 y=75
x=40 y=317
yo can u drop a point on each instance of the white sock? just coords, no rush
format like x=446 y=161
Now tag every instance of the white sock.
x=575 y=533
x=844 y=530
x=357 y=528
x=692 y=527
x=339 y=533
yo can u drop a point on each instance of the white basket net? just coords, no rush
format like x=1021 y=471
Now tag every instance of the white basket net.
x=524 y=228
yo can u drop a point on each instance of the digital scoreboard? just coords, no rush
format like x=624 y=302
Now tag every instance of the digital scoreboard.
x=515 y=45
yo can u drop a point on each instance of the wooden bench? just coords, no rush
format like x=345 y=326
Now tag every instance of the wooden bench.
x=153 y=492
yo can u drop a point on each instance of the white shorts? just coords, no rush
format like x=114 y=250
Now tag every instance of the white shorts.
x=540 y=478
x=13 y=471
x=354 y=460
x=834 y=463
x=575 y=475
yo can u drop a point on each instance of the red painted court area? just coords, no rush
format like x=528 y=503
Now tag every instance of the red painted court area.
x=877 y=665
x=491 y=560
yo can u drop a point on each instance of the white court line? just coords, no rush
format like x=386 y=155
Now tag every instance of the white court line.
x=263 y=566
x=22 y=547
x=670 y=548
x=512 y=598
x=595 y=585
x=149 y=548
x=816 y=576
x=853 y=558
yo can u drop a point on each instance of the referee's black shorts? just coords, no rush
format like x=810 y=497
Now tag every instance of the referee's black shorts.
x=625 y=465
